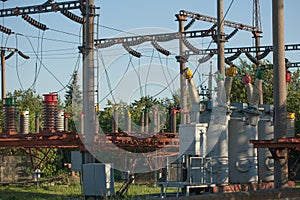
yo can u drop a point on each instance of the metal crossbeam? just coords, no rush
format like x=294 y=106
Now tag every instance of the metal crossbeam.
x=294 y=65
x=201 y=17
x=289 y=47
x=134 y=40
x=43 y=8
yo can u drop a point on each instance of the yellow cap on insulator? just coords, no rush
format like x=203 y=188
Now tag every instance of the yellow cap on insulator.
x=116 y=107
x=97 y=107
x=231 y=71
x=291 y=116
x=188 y=73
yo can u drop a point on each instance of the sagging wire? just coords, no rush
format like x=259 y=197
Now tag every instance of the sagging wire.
x=17 y=67
x=76 y=67
x=118 y=83
x=107 y=77
x=138 y=76
x=161 y=64
x=171 y=82
x=148 y=72
x=49 y=71
x=167 y=64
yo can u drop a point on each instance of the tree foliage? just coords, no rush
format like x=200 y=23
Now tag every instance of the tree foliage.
x=73 y=101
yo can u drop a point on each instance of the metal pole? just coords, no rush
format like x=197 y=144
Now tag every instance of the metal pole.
x=257 y=45
x=88 y=79
x=3 y=76
x=183 y=93
x=280 y=93
x=220 y=37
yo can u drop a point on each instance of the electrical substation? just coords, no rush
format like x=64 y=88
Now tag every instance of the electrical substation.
x=218 y=146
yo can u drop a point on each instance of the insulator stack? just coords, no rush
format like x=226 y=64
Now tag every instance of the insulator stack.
x=155 y=122
x=49 y=111
x=35 y=23
x=256 y=92
x=72 y=16
x=249 y=88
x=10 y=115
x=24 y=122
x=127 y=121
x=59 y=120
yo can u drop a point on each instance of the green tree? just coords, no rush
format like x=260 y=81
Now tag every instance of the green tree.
x=73 y=102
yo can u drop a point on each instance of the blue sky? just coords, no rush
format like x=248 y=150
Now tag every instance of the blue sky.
x=54 y=54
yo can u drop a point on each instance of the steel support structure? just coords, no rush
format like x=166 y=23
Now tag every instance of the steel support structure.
x=183 y=85
x=280 y=93
x=3 y=76
x=88 y=79
x=220 y=36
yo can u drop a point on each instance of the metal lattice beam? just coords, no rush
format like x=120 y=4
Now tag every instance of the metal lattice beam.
x=104 y=43
x=231 y=24
x=288 y=47
x=43 y=8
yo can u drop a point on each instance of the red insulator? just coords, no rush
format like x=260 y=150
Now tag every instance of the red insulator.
x=49 y=111
x=247 y=79
x=288 y=76
x=50 y=98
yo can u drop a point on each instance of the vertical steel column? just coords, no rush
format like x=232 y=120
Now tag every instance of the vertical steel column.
x=3 y=76
x=280 y=93
x=220 y=37
x=88 y=78
x=183 y=93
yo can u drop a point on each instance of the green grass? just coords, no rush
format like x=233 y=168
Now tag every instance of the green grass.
x=65 y=191
x=40 y=193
